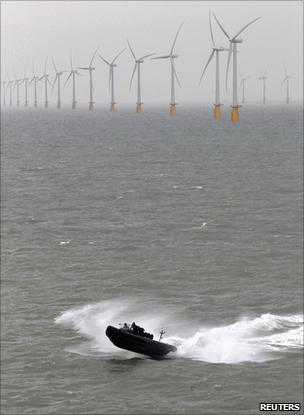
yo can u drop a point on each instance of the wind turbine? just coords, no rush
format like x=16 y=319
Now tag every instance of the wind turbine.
x=172 y=56
x=233 y=50
x=73 y=73
x=57 y=78
x=242 y=83
x=286 y=79
x=35 y=79
x=112 y=65
x=90 y=68
x=138 y=62
x=45 y=76
x=10 y=84
x=4 y=92
x=215 y=50
x=263 y=78
x=25 y=80
x=17 y=84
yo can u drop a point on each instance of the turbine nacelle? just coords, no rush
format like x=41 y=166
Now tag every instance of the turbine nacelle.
x=236 y=40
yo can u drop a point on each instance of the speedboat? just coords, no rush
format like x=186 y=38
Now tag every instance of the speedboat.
x=141 y=342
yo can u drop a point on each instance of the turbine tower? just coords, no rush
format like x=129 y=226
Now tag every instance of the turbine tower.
x=242 y=83
x=111 y=66
x=17 y=84
x=215 y=50
x=45 y=76
x=35 y=79
x=174 y=77
x=10 y=84
x=233 y=50
x=25 y=80
x=73 y=73
x=4 y=92
x=57 y=78
x=263 y=78
x=286 y=79
x=138 y=62
x=90 y=68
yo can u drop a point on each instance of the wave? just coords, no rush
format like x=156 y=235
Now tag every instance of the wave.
x=246 y=340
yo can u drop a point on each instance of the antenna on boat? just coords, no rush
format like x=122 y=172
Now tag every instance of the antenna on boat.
x=162 y=332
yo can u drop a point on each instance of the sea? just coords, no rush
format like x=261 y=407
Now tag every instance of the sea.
x=185 y=224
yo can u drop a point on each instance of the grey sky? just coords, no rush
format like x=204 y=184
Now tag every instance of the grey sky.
x=33 y=30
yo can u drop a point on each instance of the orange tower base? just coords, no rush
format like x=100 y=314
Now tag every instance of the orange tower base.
x=172 y=109
x=112 y=108
x=138 y=107
x=235 y=114
x=217 y=111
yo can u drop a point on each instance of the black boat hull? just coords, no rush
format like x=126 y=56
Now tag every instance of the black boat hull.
x=138 y=344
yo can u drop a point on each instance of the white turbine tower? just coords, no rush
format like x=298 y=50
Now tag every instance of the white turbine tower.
x=172 y=56
x=138 y=62
x=4 y=93
x=10 y=84
x=73 y=73
x=35 y=79
x=57 y=78
x=263 y=78
x=90 y=68
x=242 y=83
x=215 y=50
x=45 y=76
x=17 y=84
x=111 y=66
x=286 y=79
x=25 y=80
x=233 y=50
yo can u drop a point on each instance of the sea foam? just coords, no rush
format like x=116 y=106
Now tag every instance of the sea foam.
x=248 y=339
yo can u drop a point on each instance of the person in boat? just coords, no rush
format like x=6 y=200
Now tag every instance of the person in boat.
x=140 y=331
x=126 y=326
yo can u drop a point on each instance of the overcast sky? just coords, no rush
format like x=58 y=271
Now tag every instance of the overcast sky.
x=34 y=30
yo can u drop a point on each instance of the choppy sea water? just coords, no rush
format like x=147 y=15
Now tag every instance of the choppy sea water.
x=184 y=224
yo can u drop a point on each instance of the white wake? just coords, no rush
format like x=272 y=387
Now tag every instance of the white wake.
x=248 y=339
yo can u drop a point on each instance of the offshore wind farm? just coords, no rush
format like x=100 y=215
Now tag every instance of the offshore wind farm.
x=151 y=174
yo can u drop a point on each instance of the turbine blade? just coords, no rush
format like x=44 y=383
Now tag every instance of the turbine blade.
x=228 y=62
x=208 y=61
x=133 y=73
x=45 y=66
x=93 y=57
x=175 y=74
x=285 y=70
x=162 y=57
x=245 y=27
x=131 y=49
x=54 y=65
x=174 y=41
x=210 y=27
x=284 y=80
x=85 y=69
x=118 y=55
x=71 y=60
x=108 y=63
x=223 y=30
x=146 y=56
x=67 y=80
